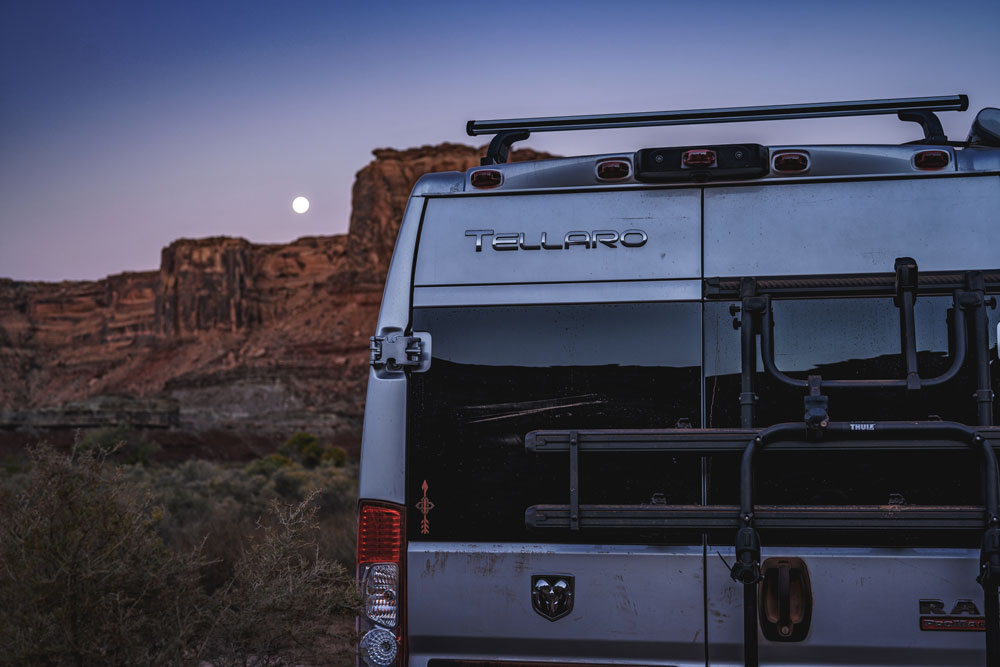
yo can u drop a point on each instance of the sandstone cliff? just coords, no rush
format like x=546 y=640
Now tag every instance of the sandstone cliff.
x=230 y=347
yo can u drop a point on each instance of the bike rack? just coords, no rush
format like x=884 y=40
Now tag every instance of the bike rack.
x=969 y=302
x=746 y=569
x=816 y=432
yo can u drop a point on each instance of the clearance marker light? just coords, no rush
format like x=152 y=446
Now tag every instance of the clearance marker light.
x=791 y=162
x=486 y=178
x=931 y=160
x=613 y=170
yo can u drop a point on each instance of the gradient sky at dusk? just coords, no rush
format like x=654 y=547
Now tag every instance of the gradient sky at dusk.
x=126 y=125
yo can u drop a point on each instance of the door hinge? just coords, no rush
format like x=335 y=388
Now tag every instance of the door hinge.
x=395 y=352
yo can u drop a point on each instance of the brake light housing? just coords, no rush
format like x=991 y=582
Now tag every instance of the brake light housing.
x=381 y=578
x=701 y=163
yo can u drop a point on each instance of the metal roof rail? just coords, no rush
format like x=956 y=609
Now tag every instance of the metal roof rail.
x=916 y=109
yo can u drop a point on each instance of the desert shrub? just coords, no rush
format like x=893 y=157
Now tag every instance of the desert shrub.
x=12 y=465
x=218 y=506
x=267 y=465
x=335 y=455
x=283 y=597
x=304 y=448
x=120 y=442
x=190 y=565
x=84 y=577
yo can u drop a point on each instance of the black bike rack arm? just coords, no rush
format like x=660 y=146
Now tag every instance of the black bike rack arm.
x=746 y=570
x=912 y=381
x=974 y=295
x=748 y=340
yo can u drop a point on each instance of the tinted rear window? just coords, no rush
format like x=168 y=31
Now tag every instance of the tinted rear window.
x=498 y=373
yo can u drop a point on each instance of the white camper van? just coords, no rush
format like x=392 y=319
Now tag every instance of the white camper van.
x=700 y=405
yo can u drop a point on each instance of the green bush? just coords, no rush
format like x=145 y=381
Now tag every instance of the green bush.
x=268 y=465
x=304 y=448
x=336 y=456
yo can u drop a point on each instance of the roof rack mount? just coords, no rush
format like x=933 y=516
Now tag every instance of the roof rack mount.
x=916 y=109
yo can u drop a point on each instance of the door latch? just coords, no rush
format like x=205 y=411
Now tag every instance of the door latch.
x=785 y=600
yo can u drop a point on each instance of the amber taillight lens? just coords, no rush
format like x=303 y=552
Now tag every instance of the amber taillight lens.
x=613 y=170
x=791 y=162
x=486 y=178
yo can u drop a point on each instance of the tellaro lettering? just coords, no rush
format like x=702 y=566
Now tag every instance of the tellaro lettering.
x=630 y=238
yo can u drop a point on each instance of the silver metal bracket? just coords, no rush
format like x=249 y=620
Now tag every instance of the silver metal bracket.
x=395 y=352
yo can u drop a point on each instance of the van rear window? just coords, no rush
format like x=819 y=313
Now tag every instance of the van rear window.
x=499 y=372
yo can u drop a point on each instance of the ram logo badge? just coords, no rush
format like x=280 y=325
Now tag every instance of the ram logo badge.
x=552 y=595
x=964 y=616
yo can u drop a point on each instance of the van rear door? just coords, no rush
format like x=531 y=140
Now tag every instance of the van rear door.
x=599 y=328
x=893 y=597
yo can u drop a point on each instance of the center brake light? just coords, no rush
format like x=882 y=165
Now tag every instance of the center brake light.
x=699 y=157
x=381 y=576
x=702 y=163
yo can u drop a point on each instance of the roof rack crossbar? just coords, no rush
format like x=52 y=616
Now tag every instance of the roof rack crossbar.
x=727 y=115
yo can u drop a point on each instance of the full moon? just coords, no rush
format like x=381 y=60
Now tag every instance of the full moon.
x=300 y=204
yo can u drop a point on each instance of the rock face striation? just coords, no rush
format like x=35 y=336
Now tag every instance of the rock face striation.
x=230 y=347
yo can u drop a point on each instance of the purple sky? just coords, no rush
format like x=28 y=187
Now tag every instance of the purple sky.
x=126 y=125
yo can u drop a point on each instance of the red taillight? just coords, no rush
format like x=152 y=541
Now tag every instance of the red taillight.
x=931 y=159
x=791 y=162
x=699 y=157
x=486 y=178
x=613 y=170
x=380 y=534
x=381 y=622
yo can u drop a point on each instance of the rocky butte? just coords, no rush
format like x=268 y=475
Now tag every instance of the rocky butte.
x=227 y=349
